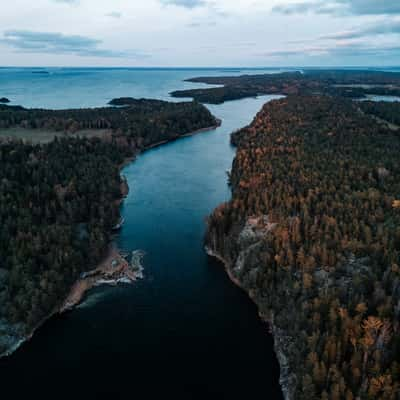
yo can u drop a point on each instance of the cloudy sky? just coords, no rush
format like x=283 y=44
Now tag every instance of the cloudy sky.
x=200 y=32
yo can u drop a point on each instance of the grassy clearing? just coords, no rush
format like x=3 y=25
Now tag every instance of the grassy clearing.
x=46 y=136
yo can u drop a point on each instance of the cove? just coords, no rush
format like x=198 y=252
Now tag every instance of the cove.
x=184 y=331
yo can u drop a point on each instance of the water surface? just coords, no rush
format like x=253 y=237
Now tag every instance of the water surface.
x=59 y=88
x=390 y=99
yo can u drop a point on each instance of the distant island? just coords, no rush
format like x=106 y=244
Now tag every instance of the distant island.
x=342 y=83
x=312 y=234
x=4 y=100
x=60 y=191
x=41 y=72
x=124 y=101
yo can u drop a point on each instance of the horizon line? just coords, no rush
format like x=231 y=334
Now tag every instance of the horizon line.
x=205 y=68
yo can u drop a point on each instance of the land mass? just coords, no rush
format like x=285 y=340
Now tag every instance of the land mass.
x=312 y=234
x=341 y=83
x=60 y=197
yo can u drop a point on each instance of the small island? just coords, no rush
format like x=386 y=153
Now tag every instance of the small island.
x=4 y=100
x=124 y=101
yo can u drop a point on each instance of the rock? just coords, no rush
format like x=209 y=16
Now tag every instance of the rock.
x=383 y=172
x=4 y=100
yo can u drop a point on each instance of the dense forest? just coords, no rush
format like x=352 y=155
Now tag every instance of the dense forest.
x=59 y=201
x=57 y=206
x=312 y=232
x=343 y=83
x=388 y=111
x=141 y=123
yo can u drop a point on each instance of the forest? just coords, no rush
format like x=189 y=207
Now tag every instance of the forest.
x=141 y=123
x=342 y=83
x=387 y=111
x=312 y=232
x=59 y=201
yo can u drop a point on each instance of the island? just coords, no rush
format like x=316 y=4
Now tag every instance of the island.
x=341 y=83
x=60 y=192
x=312 y=234
x=4 y=100
x=124 y=101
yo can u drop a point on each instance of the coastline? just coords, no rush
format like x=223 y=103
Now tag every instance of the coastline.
x=104 y=273
x=202 y=130
x=114 y=269
x=79 y=289
x=285 y=378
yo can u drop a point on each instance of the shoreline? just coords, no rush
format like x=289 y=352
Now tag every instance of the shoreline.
x=202 y=130
x=61 y=308
x=114 y=269
x=272 y=330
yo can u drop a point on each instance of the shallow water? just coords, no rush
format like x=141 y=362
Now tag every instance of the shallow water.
x=184 y=331
x=390 y=99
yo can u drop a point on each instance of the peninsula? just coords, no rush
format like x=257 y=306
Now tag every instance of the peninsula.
x=340 y=83
x=312 y=234
x=60 y=191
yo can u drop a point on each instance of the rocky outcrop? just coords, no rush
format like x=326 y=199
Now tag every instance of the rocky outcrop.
x=236 y=253
x=114 y=269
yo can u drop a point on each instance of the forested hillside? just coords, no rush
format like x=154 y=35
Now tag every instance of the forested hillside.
x=388 y=111
x=313 y=234
x=59 y=201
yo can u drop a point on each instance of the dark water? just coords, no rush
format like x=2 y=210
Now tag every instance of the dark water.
x=185 y=331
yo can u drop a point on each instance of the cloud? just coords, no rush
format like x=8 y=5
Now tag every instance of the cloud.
x=114 y=14
x=184 y=3
x=339 y=49
x=209 y=24
x=355 y=7
x=306 y=7
x=67 y=1
x=382 y=27
x=57 y=43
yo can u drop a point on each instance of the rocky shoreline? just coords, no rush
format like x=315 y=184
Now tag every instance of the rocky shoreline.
x=114 y=269
x=282 y=341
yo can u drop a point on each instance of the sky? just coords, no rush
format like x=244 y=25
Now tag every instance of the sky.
x=200 y=33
